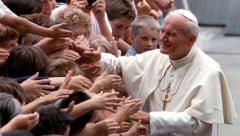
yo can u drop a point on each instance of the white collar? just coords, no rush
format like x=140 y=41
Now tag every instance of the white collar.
x=185 y=60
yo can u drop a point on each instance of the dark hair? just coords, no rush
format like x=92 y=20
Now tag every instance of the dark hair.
x=51 y=121
x=12 y=87
x=79 y=123
x=120 y=8
x=21 y=7
x=7 y=33
x=25 y=61
x=8 y=108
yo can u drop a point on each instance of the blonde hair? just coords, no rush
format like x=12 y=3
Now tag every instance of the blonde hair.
x=74 y=16
x=142 y=22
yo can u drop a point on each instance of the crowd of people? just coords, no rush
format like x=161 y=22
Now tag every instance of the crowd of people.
x=107 y=68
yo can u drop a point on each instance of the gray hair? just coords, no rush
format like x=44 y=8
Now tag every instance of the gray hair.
x=144 y=21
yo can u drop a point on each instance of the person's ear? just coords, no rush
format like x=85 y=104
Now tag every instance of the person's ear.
x=192 y=39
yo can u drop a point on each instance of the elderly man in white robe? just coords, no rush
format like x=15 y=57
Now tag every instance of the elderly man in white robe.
x=184 y=90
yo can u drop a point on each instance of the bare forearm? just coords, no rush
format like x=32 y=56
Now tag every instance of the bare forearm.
x=24 y=25
x=81 y=109
x=104 y=29
x=32 y=106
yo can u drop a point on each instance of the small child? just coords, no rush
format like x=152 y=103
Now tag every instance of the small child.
x=144 y=32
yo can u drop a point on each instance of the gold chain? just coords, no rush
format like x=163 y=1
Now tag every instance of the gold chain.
x=179 y=83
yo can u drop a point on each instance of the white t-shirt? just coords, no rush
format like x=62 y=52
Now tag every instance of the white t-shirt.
x=2 y=13
x=4 y=9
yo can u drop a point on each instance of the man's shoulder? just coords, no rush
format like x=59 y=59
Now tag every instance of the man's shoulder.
x=205 y=60
x=155 y=53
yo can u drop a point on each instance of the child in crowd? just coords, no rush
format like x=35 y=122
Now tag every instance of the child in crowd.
x=50 y=59
x=144 y=32
x=120 y=13
x=97 y=13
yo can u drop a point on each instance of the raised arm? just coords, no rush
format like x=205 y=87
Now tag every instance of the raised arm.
x=26 y=26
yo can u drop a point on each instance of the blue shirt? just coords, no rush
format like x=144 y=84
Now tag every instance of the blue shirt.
x=131 y=52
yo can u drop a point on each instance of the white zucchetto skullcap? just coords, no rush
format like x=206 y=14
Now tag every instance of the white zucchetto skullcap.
x=188 y=14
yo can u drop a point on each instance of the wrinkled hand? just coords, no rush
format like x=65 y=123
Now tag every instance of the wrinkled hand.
x=143 y=116
x=37 y=87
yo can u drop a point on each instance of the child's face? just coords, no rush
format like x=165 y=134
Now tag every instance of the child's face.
x=119 y=26
x=146 y=39
x=80 y=30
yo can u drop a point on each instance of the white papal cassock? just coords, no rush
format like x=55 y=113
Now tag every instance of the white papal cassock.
x=199 y=92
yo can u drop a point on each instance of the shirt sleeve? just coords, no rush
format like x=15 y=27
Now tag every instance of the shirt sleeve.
x=109 y=60
x=179 y=124
x=2 y=14
x=170 y=123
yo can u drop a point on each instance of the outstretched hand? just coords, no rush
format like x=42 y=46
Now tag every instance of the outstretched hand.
x=106 y=101
x=57 y=31
x=90 y=56
x=22 y=121
x=143 y=116
x=37 y=87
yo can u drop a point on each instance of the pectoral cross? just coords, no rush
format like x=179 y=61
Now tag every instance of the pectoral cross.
x=166 y=97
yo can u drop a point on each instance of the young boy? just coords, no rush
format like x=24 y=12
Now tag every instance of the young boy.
x=144 y=32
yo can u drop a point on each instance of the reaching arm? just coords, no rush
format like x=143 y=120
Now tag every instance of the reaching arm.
x=180 y=123
x=25 y=26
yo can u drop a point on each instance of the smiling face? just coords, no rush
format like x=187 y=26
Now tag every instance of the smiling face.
x=146 y=39
x=174 y=40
